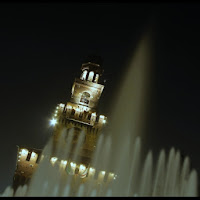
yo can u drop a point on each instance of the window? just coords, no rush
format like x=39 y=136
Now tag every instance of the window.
x=96 y=78
x=83 y=75
x=85 y=97
x=91 y=76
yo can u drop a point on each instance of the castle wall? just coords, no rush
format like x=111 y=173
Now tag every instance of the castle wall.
x=27 y=162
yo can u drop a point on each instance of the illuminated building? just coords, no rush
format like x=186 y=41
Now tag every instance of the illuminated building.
x=79 y=114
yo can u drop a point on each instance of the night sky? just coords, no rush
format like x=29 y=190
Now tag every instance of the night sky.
x=42 y=47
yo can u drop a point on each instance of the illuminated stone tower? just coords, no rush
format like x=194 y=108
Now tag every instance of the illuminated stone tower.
x=79 y=114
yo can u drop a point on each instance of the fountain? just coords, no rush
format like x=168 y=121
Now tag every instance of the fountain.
x=118 y=152
x=168 y=177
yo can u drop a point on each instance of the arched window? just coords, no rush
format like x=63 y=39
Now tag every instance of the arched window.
x=91 y=76
x=96 y=78
x=83 y=75
x=85 y=97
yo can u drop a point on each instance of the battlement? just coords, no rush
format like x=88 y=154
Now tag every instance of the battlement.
x=79 y=113
x=83 y=171
x=28 y=160
x=31 y=155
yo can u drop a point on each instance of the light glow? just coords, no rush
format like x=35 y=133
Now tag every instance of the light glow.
x=103 y=172
x=101 y=175
x=34 y=157
x=53 y=122
x=83 y=76
x=62 y=105
x=24 y=152
x=63 y=163
x=73 y=165
x=82 y=168
x=91 y=75
x=111 y=176
x=93 y=114
x=83 y=171
x=53 y=160
x=69 y=107
x=78 y=109
x=92 y=170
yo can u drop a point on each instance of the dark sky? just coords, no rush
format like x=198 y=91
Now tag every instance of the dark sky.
x=42 y=47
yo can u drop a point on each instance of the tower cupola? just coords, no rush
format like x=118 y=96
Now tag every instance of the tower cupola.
x=92 y=69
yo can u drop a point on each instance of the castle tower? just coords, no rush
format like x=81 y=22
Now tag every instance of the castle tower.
x=79 y=114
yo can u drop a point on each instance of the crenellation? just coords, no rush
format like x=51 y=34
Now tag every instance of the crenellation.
x=82 y=170
x=77 y=112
